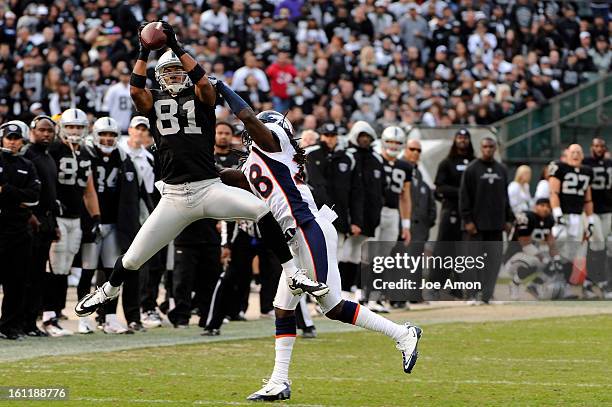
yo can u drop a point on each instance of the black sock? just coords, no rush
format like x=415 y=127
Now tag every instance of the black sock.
x=118 y=274
x=273 y=238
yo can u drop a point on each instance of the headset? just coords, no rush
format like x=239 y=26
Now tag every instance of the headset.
x=42 y=117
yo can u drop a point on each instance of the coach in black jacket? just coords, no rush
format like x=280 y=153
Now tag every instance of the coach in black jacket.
x=335 y=179
x=485 y=211
x=42 y=220
x=19 y=191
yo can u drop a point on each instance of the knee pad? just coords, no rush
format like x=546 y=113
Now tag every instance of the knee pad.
x=129 y=262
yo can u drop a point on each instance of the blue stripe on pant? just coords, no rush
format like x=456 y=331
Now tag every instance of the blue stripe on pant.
x=315 y=239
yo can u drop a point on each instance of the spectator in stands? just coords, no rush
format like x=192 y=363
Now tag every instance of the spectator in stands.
x=518 y=190
x=601 y=55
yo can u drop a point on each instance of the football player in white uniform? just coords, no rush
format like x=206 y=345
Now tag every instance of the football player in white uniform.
x=273 y=172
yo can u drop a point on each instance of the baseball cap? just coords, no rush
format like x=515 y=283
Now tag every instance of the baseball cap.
x=441 y=48
x=11 y=129
x=35 y=106
x=585 y=34
x=138 y=120
x=328 y=128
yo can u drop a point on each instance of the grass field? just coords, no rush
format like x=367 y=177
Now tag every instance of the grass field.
x=547 y=361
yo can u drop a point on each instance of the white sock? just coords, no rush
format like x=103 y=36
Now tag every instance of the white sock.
x=374 y=322
x=48 y=315
x=283 y=347
x=111 y=318
x=289 y=268
x=109 y=289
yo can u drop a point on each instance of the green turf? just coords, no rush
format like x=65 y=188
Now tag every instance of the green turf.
x=547 y=362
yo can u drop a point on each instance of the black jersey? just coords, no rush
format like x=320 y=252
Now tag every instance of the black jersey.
x=530 y=224
x=73 y=170
x=106 y=171
x=574 y=183
x=601 y=186
x=398 y=172
x=229 y=160
x=184 y=131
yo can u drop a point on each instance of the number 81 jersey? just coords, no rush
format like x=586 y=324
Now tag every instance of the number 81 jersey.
x=184 y=132
x=574 y=183
x=275 y=178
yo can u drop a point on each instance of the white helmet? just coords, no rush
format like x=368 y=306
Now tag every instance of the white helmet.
x=73 y=117
x=25 y=130
x=105 y=125
x=167 y=60
x=276 y=122
x=393 y=139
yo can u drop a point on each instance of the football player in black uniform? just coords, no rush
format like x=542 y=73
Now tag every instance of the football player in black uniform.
x=182 y=117
x=600 y=246
x=398 y=203
x=74 y=187
x=116 y=183
x=570 y=195
x=538 y=253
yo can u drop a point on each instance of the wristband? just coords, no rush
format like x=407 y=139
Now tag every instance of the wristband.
x=405 y=223
x=557 y=212
x=143 y=55
x=179 y=51
x=138 y=81
x=196 y=74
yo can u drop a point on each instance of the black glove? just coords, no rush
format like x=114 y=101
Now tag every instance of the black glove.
x=143 y=53
x=95 y=228
x=213 y=81
x=171 y=40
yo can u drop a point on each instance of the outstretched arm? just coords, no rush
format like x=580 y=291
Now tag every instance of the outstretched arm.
x=257 y=130
x=142 y=97
x=203 y=88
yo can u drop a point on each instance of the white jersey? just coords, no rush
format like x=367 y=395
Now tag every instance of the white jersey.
x=275 y=178
x=118 y=103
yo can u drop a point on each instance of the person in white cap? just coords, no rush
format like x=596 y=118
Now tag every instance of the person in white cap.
x=135 y=146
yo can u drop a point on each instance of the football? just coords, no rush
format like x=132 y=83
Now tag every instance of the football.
x=153 y=36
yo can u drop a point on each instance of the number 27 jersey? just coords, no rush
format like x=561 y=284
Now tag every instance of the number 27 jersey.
x=275 y=178
x=184 y=131
x=574 y=181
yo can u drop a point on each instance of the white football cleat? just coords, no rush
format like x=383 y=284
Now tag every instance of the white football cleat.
x=53 y=328
x=151 y=319
x=378 y=308
x=272 y=391
x=300 y=283
x=92 y=301
x=86 y=326
x=408 y=346
x=112 y=325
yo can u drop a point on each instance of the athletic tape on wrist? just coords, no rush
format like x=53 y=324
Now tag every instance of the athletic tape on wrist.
x=138 y=81
x=196 y=74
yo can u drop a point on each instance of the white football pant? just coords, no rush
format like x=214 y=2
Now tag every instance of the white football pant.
x=63 y=251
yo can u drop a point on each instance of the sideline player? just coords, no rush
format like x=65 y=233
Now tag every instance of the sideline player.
x=570 y=195
x=75 y=187
x=538 y=253
x=182 y=115
x=601 y=241
x=273 y=171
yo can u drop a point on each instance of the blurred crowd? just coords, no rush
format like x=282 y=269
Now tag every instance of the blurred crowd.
x=433 y=63
x=346 y=73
